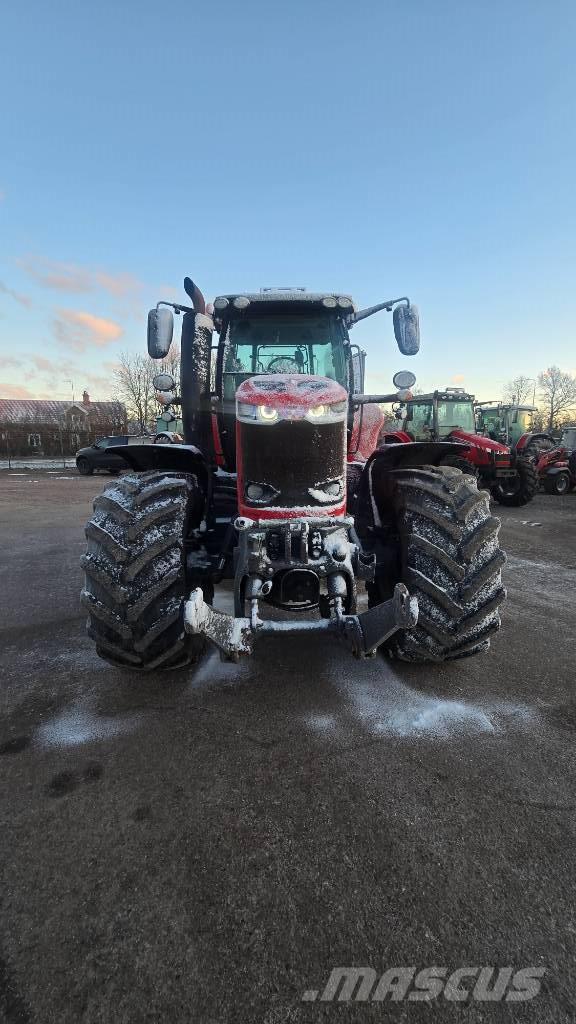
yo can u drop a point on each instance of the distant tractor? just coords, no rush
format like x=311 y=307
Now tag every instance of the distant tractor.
x=268 y=492
x=556 y=467
x=512 y=425
x=447 y=417
x=169 y=426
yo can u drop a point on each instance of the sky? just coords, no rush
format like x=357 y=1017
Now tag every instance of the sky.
x=377 y=149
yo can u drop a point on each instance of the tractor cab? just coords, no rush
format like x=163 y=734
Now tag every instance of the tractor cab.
x=437 y=415
x=505 y=423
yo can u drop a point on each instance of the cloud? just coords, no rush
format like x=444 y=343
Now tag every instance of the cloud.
x=15 y=391
x=7 y=361
x=79 y=331
x=76 y=279
x=47 y=365
x=458 y=378
x=23 y=300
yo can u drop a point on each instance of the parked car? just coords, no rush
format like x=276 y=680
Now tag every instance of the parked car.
x=169 y=437
x=97 y=455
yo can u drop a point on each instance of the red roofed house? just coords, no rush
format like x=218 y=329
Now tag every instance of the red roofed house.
x=38 y=427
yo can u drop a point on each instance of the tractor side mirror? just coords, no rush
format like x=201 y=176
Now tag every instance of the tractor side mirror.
x=404 y=380
x=160 y=330
x=407 y=329
x=164 y=382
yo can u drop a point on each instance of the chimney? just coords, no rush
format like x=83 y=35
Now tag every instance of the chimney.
x=85 y=398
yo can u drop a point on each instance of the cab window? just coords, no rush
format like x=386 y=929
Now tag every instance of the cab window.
x=270 y=344
x=419 y=420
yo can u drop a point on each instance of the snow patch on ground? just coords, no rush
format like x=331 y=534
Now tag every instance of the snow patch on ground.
x=389 y=707
x=80 y=724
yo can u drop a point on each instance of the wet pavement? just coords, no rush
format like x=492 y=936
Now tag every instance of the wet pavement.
x=207 y=846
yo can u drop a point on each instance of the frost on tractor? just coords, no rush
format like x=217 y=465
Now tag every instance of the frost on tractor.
x=286 y=487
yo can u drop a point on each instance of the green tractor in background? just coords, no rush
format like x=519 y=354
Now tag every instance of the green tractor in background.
x=512 y=425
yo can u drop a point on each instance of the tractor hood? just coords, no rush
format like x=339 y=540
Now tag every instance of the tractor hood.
x=479 y=441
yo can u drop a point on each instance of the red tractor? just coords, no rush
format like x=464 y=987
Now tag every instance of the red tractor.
x=447 y=417
x=261 y=495
x=556 y=467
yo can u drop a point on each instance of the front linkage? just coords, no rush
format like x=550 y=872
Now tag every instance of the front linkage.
x=295 y=560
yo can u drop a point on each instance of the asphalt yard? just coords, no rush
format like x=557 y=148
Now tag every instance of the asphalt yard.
x=209 y=845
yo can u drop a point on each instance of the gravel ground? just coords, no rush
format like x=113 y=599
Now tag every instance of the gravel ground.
x=208 y=846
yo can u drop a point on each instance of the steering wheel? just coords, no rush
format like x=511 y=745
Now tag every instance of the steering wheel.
x=287 y=364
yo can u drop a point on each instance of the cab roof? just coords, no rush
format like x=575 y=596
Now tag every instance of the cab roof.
x=442 y=396
x=294 y=297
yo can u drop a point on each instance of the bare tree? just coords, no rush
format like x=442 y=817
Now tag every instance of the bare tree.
x=558 y=391
x=133 y=387
x=134 y=384
x=518 y=390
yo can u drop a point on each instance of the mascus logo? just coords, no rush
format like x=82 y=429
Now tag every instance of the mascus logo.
x=465 y=984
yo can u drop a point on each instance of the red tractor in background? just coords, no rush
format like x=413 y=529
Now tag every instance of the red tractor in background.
x=267 y=492
x=556 y=467
x=448 y=417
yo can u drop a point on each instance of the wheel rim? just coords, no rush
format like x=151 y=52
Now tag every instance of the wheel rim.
x=561 y=485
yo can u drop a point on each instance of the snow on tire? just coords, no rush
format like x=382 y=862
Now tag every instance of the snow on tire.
x=134 y=583
x=450 y=560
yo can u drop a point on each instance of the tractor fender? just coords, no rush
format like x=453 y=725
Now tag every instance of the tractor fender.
x=556 y=468
x=416 y=453
x=171 y=458
x=532 y=436
x=376 y=484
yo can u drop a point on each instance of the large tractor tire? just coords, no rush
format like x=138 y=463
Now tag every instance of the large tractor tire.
x=134 y=586
x=450 y=560
x=524 y=489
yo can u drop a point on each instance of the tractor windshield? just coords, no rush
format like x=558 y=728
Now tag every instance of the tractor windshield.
x=490 y=422
x=419 y=420
x=450 y=416
x=291 y=344
x=569 y=438
x=455 y=416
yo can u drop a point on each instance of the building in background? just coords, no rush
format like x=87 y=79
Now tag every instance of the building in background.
x=38 y=427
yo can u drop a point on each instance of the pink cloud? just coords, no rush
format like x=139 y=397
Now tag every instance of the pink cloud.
x=15 y=391
x=119 y=285
x=79 y=330
x=23 y=300
x=7 y=361
x=47 y=365
x=458 y=378
x=76 y=279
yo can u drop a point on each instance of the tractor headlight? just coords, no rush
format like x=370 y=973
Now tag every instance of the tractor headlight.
x=267 y=413
x=326 y=413
x=256 y=413
x=318 y=412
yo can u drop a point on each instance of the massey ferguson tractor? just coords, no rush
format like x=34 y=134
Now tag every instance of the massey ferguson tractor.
x=268 y=493
x=447 y=418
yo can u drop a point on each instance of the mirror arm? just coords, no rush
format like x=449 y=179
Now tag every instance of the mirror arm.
x=370 y=310
x=177 y=307
x=370 y=399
